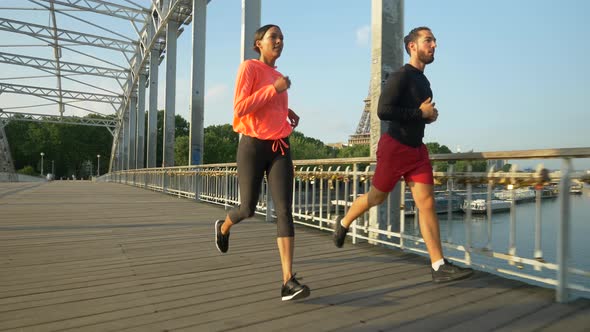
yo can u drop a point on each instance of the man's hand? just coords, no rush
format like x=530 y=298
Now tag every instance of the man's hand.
x=293 y=118
x=282 y=83
x=434 y=116
x=429 y=112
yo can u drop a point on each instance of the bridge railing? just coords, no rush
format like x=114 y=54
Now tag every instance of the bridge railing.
x=324 y=189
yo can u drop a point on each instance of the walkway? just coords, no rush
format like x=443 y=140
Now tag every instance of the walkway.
x=85 y=256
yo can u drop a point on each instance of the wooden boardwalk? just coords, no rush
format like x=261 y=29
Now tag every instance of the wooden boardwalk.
x=81 y=256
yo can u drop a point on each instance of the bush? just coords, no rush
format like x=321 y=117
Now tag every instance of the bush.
x=27 y=170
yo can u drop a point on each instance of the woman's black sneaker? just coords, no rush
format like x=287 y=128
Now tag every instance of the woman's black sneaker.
x=339 y=233
x=221 y=241
x=293 y=290
x=449 y=272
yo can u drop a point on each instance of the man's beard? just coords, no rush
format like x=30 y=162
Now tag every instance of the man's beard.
x=425 y=58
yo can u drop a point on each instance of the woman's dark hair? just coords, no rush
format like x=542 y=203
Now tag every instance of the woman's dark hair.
x=412 y=36
x=259 y=34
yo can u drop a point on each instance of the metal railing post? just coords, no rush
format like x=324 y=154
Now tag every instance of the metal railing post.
x=563 y=237
x=321 y=180
x=226 y=186
x=328 y=191
x=337 y=193
x=296 y=193
x=512 y=231
x=164 y=180
x=468 y=244
x=198 y=185
x=269 y=202
x=306 y=199
x=449 y=209
x=313 y=190
x=402 y=215
x=489 y=209
x=538 y=223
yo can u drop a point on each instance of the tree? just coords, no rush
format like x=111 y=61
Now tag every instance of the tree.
x=436 y=148
x=73 y=147
x=220 y=144
x=27 y=170
x=181 y=129
x=181 y=150
x=303 y=147
x=68 y=146
x=354 y=151
x=476 y=166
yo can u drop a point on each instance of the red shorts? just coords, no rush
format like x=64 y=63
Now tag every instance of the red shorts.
x=395 y=160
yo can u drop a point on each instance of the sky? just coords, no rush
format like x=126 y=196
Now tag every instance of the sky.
x=508 y=75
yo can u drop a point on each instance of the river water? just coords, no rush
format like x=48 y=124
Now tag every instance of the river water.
x=525 y=234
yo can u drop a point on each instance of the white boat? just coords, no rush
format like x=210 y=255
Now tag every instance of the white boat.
x=520 y=194
x=576 y=189
x=481 y=206
x=441 y=203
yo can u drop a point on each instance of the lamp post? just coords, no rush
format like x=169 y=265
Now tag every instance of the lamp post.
x=98 y=165
x=42 y=154
x=53 y=169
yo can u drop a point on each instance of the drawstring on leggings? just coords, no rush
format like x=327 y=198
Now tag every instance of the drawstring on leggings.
x=279 y=143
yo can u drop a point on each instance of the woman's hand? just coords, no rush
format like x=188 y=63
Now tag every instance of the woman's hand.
x=293 y=118
x=282 y=83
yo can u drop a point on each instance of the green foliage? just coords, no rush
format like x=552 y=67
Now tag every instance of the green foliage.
x=182 y=129
x=436 y=148
x=460 y=166
x=73 y=147
x=354 y=151
x=68 y=146
x=27 y=170
x=220 y=144
x=181 y=150
x=477 y=166
x=506 y=167
x=303 y=147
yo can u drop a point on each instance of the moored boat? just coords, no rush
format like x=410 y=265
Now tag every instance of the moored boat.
x=481 y=206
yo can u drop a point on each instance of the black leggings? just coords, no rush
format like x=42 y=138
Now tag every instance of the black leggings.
x=255 y=157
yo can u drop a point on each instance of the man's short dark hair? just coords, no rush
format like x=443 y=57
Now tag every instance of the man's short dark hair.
x=412 y=36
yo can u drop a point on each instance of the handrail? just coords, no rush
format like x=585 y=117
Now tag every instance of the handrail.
x=325 y=188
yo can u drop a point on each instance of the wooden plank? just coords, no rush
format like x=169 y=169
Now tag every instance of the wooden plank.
x=222 y=307
x=549 y=315
x=392 y=305
x=418 y=310
x=577 y=321
x=177 y=302
x=498 y=316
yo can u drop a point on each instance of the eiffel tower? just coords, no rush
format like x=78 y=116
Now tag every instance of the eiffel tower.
x=362 y=135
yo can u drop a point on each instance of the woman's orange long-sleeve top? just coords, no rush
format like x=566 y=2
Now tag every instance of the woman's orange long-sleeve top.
x=259 y=110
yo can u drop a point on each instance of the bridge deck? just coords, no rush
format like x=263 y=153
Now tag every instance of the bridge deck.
x=100 y=257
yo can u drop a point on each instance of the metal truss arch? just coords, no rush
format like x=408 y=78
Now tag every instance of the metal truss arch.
x=47 y=64
x=33 y=117
x=41 y=31
x=106 y=8
x=82 y=35
x=50 y=92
